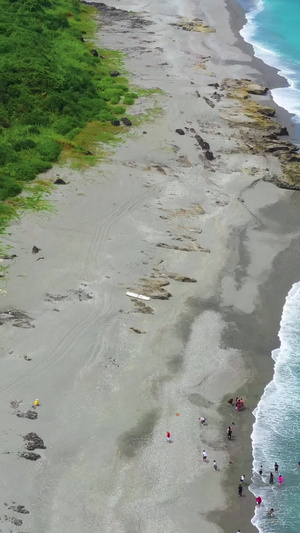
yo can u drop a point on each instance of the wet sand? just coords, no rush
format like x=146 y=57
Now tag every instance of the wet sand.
x=210 y=242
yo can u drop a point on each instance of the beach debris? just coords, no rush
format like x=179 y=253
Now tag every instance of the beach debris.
x=5 y=256
x=193 y=24
x=177 y=414
x=13 y=520
x=187 y=248
x=198 y=94
x=137 y=330
x=180 y=131
x=27 y=358
x=215 y=85
x=139 y=296
x=19 y=509
x=18 y=319
x=54 y=297
x=31 y=415
x=30 y=456
x=126 y=121
x=15 y=404
x=35 y=250
x=33 y=441
x=141 y=307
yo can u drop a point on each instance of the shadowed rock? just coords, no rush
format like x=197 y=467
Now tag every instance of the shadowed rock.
x=209 y=155
x=126 y=121
x=59 y=181
x=30 y=456
x=35 y=250
x=33 y=442
x=115 y=123
x=95 y=53
x=180 y=131
x=19 y=509
x=114 y=74
x=32 y=415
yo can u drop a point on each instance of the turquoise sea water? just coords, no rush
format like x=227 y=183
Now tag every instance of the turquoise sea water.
x=273 y=29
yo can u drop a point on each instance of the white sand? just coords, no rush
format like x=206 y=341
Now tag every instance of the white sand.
x=109 y=395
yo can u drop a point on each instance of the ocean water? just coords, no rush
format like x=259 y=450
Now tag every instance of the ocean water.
x=276 y=431
x=273 y=29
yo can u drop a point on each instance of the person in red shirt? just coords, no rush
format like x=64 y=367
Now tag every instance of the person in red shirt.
x=169 y=436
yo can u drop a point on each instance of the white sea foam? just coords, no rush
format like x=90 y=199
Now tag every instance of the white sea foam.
x=275 y=435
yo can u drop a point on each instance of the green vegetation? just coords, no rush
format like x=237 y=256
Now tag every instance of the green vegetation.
x=56 y=96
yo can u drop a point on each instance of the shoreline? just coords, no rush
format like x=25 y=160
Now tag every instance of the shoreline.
x=185 y=224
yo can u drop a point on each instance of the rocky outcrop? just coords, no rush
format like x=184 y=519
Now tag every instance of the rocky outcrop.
x=194 y=24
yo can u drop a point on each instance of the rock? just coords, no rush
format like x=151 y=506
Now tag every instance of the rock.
x=255 y=88
x=81 y=39
x=59 y=181
x=198 y=94
x=30 y=456
x=95 y=53
x=178 y=277
x=34 y=442
x=180 y=131
x=268 y=111
x=19 y=509
x=8 y=256
x=283 y=131
x=114 y=73
x=35 y=250
x=215 y=85
x=27 y=358
x=208 y=101
x=88 y=152
x=204 y=145
x=13 y=520
x=126 y=121
x=115 y=123
x=279 y=147
x=32 y=415
x=209 y=155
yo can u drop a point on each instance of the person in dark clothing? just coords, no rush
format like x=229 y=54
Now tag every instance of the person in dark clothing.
x=271 y=480
x=276 y=467
x=260 y=470
x=229 y=432
x=240 y=489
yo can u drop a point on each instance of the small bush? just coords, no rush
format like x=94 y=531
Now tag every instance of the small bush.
x=24 y=145
x=49 y=149
x=9 y=188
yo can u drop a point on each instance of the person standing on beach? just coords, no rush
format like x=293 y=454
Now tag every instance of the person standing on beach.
x=240 y=490
x=258 y=501
x=242 y=479
x=204 y=456
x=169 y=436
x=276 y=468
x=215 y=466
x=260 y=470
x=202 y=420
x=271 y=480
x=229 y=432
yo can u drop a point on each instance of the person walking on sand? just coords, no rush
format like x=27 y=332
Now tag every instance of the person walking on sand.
x=169 y=436
x=271 y=480
x=215 y=466
x=260 y=470
x=242 y=479
x=204 y=456
x=276 y=468
x=202 y=420
x=229 y=432
x=240 y=490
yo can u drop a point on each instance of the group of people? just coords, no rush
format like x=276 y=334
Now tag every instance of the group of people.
x=238 y=403
x=271 y=512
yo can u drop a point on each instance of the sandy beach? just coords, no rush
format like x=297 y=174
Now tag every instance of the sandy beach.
x=192 y=220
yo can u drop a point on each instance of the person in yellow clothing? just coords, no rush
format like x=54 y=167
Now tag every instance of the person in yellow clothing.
x=36 y=403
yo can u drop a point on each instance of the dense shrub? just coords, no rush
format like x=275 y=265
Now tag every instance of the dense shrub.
x=51 y=86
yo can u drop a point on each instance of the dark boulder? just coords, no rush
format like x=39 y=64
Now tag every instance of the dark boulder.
x=35 y=250
x=95 y=53
x=204 y=145
x=115 y=123
x=209 y=155
x=115 y=73
x=59 y=181
x=88 y=152
x=180 y=131
x=126 y=121
x=283 y=131
x=33 y=442
x=215 y=85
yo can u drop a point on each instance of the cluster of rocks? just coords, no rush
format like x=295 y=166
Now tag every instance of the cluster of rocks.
x=110 y=13
x=193 y=24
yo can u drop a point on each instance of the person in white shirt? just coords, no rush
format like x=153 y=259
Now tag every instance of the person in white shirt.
x=204 y=455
